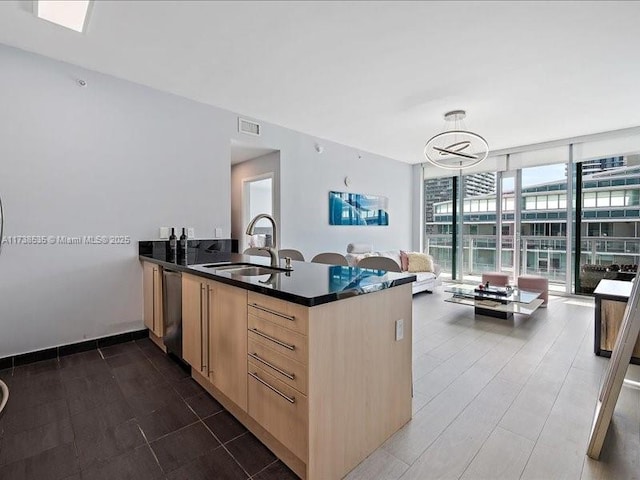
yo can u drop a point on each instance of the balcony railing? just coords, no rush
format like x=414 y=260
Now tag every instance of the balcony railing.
x=539 y=255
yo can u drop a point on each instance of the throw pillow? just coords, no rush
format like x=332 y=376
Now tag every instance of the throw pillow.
x=419 y=262
x=404 y=261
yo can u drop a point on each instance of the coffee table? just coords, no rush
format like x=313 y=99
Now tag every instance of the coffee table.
x=494 y=305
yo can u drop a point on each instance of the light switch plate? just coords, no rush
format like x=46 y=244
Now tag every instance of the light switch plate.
x=164 y=232
x=399 y=329
x=191 y=232
x=218 y=232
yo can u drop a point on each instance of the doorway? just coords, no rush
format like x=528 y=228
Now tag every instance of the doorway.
x=255 y=189
x=257 y=195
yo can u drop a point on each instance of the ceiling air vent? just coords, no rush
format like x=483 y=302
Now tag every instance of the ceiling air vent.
x=249 y=127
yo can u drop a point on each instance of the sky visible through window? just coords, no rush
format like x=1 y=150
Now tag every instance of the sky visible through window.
x=535 y=176
x=545 y=174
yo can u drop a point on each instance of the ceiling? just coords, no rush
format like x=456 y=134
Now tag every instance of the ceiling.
x=377 y=76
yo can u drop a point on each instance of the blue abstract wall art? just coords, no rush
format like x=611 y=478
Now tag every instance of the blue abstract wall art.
x=358 y=209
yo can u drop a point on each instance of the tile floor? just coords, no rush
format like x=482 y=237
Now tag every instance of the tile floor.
x=493 y=399
x=123 y=412
x=507 y=399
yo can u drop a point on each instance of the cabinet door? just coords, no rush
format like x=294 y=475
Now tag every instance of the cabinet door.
x=280 y=409
x=148 y=288
x=228 y=341
x=612 y=314
x=194 y=319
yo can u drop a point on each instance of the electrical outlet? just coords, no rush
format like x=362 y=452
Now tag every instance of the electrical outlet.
x=218 y=232
x=399 y=329
x=164 y=232
x=191 y=232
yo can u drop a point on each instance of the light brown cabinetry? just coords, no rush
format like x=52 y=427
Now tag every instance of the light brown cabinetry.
x=611 y=298
x=280 y=409
x=195 y=323
x=152 y=295
x=277 y=363
x=214 y=338
x=228 y=341
x=321 y=386
x=284 y=341
x=285 y=369
x=331 y=383
x=285 y=314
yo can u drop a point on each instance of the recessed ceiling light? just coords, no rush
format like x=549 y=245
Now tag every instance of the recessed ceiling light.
x=67 y=13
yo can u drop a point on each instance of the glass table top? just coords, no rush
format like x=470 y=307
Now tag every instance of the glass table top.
x=516 y=295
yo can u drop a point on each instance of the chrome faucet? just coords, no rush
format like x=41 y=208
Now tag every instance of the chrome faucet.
x=273 y=250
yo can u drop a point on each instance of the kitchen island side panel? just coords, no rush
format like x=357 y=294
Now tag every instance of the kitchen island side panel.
x=359 y=378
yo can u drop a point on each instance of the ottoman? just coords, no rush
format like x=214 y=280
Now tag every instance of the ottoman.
x=495 y=279
x=535 y=283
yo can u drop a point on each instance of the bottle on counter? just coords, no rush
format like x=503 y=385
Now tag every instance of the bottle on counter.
x=173 y=246
x=182 y=247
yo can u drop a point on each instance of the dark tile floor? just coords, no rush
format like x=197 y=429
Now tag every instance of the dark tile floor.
x=122 y=412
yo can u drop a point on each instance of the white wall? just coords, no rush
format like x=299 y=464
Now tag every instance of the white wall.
x=111 y=158
x=116 y=158
x=307 y=178
x=260 y=197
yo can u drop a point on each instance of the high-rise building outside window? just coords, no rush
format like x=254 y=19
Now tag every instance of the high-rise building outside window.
x=609 y=223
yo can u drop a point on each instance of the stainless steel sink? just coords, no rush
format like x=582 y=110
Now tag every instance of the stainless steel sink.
x=245 y=269
x=254 y=271
x=228 y=266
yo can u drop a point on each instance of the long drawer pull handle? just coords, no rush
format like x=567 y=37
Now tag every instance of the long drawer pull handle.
x=153 y=301
x=210 y=292
x=286 y=397
x=273 y=312
x=201 y=329
x=290 y=376
x=274 y=340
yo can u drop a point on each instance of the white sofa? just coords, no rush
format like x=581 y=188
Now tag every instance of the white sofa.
x=425 y=281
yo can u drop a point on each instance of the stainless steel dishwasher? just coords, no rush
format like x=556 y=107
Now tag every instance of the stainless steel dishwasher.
x=172 y=298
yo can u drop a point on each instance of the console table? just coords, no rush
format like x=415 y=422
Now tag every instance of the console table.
x=493 y=305
x=611 y=300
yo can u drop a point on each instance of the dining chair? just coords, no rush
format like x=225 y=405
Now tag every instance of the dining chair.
x=256 y=252
x=379 y=263
x=291 y=253
x=330 y=258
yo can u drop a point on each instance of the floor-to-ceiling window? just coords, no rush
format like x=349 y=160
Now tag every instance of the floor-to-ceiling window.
x=440 y=222
x=543 y=219
x=610 y=234
x=507 y=250
x=542 y=210
x=479 y=226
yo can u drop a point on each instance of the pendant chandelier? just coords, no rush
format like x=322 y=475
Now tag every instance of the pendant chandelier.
x=457 y=147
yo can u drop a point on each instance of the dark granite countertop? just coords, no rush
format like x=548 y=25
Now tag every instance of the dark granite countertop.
x=307 y=284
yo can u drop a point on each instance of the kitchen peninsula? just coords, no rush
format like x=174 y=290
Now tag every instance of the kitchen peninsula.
x=315 y=361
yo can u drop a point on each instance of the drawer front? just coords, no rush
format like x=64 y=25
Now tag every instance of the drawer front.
x=288 y=315
x=288 y=343
x=280 y=409
x=280 y=366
